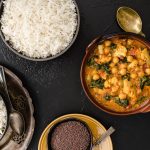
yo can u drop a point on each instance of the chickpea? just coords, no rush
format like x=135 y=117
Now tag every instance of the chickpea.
x=113 y=93
x=114 y=88
x=114 y=80
x=112 y=65
x=108 y=59
x=141 y=67
x=123 y=71
x=105 y=59
x=106 y=84
x=94 y=72
x=141 y=74
x=123 y=66
x=106 y=51
x=133 y=75
x=107 y=43
x=88 y=78
x=96 y=77
x=139 y=91
x=115 y=60
x=129 y=58
x=136 y=69
x=135 y=62
x=147 y=71
x=95 y=90
x=111 y=101
x=100 y=91
x=122 y=95
x=129 y=42
x=114 y=70
x=133 y=101
x=141 y=62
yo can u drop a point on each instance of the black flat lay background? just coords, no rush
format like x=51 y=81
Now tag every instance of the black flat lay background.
x=55 y=85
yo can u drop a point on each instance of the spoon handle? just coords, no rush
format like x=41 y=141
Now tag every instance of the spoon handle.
x=3 y=88
x=104 y=136
x=142 y=34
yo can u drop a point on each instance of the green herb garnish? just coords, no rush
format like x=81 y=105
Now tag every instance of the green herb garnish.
x=97 y=83
x=122 y=102
x=104 y=67
x=124 y=60
x=113 y=46
x=145 y=81
x=141 y=100
x=107 y=97
x=128 y=47
x=127 y=76
x=91 y=60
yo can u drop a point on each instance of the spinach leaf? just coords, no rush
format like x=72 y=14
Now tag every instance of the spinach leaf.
x=122 y=102
x=141 y=100
x=97 y=83
x=148 y=81
x=129 y=47
x=113 y=46
x=104 y=67
x=91 y=60
x=124 y=60
x=127 y=76
x=97 y=66
x=145 y=81
x=107 y=97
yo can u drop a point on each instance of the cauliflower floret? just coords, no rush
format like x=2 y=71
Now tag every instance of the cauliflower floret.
x=126 y=86
x=100 y=49
x=120 y=51
x=145 y=55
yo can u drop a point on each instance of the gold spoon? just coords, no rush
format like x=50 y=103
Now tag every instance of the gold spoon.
x=129 y=20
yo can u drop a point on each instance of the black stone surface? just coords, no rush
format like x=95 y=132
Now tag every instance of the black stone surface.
x=55 y=85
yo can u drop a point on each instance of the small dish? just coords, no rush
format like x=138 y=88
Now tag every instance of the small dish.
x=96 y=128
x=68 y=120
x=41 y=59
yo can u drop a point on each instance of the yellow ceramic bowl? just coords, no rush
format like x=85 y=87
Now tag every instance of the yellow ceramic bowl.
x=96 y=127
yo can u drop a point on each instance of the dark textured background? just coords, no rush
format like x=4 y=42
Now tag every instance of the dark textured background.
x=55 y=85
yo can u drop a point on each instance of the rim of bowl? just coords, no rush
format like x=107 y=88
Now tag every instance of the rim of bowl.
x=49 y=57
x=84 y=85
x=71 y=119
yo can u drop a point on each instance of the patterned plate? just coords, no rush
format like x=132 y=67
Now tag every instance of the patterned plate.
x=22 y=102
x=96 y=127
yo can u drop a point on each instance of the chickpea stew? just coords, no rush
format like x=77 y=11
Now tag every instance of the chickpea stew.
x=117 y=74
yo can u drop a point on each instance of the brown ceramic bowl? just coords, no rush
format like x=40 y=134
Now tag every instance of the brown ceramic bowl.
x=145 y=107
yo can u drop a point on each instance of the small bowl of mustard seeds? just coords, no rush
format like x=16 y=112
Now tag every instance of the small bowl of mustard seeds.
x=70 y=134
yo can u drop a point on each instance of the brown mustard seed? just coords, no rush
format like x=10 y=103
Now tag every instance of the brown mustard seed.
x=70 y=135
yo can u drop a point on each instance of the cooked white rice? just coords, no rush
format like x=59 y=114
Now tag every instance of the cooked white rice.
x=39 y=28
x=3 y=117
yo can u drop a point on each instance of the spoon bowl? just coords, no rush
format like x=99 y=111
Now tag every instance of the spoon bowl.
x=129 y=20
x=16 y=122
